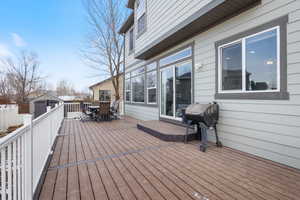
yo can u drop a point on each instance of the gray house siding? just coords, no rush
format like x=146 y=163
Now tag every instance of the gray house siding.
x=141 y=112
x=266 y=128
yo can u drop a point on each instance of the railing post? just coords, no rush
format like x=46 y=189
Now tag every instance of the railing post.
x=28 y=165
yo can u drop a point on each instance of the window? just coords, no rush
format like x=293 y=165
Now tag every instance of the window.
x=151 y=87
x=151 y=66
x=141 y=24
x=138 y=87
x=141 y=16
x=175 y=89
x=104 y=95
x=138 y=71
x=251 y=63
x=185 y=53
x=131 y=40
x=127 y=90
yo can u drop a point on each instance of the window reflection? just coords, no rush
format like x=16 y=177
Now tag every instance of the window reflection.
x=177 y=56
x=232 y=67
x=151 y=86
x=261 y=61
x=183 y=87
x=167 y=92
x=138 y=89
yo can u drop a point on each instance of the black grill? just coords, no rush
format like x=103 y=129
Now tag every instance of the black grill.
x=205 y=116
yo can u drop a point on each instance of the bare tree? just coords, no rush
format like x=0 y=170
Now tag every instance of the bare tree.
x=64 y=88
x=22 y=75
x=5 y=89
x=104 y=48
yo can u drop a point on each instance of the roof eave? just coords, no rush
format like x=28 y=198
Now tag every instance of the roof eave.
x=130 y=4
x=127 y=24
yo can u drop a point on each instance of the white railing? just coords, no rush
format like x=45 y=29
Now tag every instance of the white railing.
x=9 y=116
x=74 y=110
x=24 y=153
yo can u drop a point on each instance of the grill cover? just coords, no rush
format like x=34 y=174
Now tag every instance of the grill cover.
x=206 y=113
x=196 y=109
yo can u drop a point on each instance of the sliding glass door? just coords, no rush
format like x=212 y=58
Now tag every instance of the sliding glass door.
x=175 y=89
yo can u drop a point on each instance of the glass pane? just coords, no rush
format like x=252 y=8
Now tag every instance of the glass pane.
x=232 y=67
x=177 y=56
x=142 y=23
x=131 y=40
x=167 y=92
x=151 y=79
x=104 y=95
x=151 y=66
x=127 y=85
x=261 y=61
x=138 y=71
x=152 y=95
x=127 y=95
x=138 y=89
x=183 y=87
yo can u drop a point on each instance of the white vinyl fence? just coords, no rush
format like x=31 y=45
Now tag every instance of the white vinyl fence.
x=24 y=153
x=9 y=116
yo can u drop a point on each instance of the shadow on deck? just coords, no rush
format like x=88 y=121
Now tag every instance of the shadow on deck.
x=115 y=160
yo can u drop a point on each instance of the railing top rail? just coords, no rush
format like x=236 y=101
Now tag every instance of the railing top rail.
x=40 y=118
x=20 y=131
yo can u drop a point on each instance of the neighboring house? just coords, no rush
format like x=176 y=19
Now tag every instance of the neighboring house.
x=38 y=105
x=242 y=54
x=104 y=90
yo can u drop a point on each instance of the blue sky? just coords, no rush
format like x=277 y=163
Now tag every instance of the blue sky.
x=55 y=30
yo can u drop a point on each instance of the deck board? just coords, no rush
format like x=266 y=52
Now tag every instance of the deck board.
x=115 y=160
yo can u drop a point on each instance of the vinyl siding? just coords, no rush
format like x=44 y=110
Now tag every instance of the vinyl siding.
x=266 y=128
x=270 y=129
x=129 y=56
x=162 y=14
x=141 y=112
x=107 y=85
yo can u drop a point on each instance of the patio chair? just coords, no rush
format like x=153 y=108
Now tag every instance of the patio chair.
x=86 y=115
x=115 y=109
x=104 y=113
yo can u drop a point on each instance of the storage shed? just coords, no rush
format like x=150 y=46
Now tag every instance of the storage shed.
x=38 y=106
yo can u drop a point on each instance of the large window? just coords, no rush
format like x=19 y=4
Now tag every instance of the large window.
x=141 y=16
x=138 y=88
x=251 y=63
x=104 y=95
x=176 y=83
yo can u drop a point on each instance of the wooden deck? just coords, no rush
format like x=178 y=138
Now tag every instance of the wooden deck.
x=115 y=160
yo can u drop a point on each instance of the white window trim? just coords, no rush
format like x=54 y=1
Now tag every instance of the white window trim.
x=137 y=102
x=148 y=88
x=243 y=42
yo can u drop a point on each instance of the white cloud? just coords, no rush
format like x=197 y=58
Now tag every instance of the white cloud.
x=4 y=51
x=18 y=40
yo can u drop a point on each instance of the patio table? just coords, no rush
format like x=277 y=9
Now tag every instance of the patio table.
x=94 y=110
